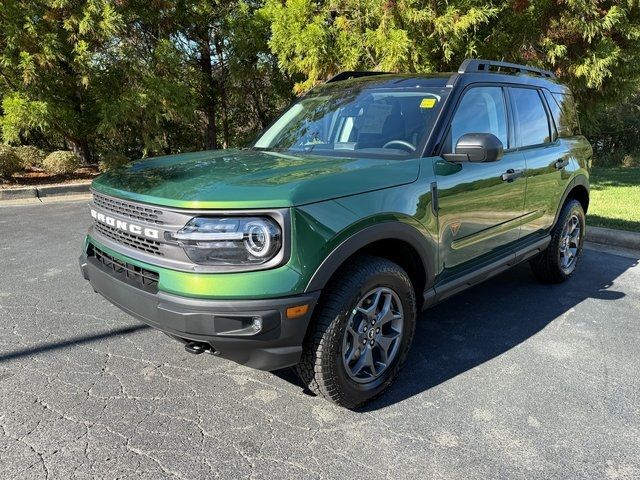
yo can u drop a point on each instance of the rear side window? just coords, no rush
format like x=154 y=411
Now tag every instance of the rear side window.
x=563 y=110
x=481 y=110
x=532 y=124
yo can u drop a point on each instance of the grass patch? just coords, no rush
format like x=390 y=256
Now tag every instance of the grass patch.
x=615 y=198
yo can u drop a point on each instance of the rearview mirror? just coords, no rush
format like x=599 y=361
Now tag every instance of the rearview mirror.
x=476 y=147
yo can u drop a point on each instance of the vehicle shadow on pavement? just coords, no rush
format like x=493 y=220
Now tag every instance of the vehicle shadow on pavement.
x=74 y=341
x=490 y=319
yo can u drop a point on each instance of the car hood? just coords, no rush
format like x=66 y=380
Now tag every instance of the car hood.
x=250 y=179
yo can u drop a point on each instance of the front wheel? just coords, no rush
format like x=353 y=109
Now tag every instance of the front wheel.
x=361 y=334
x=560 y=258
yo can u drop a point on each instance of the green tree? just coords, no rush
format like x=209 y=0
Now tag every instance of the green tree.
x=150 y=103
x=49 y=58
x=320 y=39
x=91 y=72
x=257 y=89
x=238 y=82
x=593 y=45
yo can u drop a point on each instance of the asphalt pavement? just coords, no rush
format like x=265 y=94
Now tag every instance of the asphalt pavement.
x=512 y=379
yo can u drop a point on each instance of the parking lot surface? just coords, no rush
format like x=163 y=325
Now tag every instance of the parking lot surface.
x=511 y=379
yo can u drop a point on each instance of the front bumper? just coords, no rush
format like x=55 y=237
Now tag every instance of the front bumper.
x=226 y=325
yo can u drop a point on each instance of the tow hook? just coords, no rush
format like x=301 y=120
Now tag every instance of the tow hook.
x=196 y=348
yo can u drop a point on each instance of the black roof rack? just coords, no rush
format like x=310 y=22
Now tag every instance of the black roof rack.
x=348 y=74
x=486 y=66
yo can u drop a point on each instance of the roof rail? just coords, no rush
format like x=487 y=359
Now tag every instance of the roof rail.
x=349 y=74
x=478 y=65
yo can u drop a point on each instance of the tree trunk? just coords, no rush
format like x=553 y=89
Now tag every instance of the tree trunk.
x=165 y=140
x=257 y=104
x=208 y=92
x=256 y=94
x=80 y=146
x=223 y=94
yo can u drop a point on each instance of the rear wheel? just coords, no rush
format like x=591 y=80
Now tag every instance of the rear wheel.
x=559 y=260
x=361 y=334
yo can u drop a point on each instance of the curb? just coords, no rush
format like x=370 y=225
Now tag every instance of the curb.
x=615 y=238
x=44 y=191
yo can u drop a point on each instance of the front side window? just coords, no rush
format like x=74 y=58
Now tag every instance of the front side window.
x=387 y=122
x=532 y=124
x=481 y=110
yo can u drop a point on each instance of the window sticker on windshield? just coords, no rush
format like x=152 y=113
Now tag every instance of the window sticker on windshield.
x=428 y=103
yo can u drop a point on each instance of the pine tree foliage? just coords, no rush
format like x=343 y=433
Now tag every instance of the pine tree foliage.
x=147 y=77
x=593 y=45
x=99 y=75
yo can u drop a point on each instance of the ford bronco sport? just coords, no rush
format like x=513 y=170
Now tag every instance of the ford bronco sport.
x=370 y=199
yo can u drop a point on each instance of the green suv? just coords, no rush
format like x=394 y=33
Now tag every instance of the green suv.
x=370 y=199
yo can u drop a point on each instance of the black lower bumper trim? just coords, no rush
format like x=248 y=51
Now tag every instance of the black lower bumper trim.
x=256 y=333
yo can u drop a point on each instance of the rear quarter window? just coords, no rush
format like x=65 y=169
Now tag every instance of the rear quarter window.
x=563 y=111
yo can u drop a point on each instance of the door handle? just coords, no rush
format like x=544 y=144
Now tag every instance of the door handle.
x=511 y=174
x=561 y=163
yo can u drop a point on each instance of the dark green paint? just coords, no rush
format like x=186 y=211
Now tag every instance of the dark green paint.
x=234 y=179
x=331 y=199
x=492 y=214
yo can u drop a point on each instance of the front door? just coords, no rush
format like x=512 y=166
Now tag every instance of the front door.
x=480 y=204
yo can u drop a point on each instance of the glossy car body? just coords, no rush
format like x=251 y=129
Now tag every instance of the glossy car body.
x=449 y=224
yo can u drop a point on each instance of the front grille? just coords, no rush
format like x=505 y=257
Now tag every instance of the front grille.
x=139 y=243
x=139 y=212
x=136 y=276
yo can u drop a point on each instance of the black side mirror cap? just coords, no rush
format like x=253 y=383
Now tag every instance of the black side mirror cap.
x=476 y=147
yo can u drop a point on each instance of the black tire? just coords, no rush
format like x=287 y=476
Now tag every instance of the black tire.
x=322 y=367
x=549 y=266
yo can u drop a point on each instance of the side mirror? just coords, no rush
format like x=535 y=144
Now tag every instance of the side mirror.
x=476 y=147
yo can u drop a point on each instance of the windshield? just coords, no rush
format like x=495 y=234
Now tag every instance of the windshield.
x=391 y=122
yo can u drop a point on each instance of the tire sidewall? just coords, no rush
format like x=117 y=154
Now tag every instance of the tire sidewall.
x=402 y=286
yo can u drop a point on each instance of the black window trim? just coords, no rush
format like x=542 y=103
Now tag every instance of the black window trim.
x=547 y=96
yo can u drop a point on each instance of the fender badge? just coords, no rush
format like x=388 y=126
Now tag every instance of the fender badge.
x=455 y=227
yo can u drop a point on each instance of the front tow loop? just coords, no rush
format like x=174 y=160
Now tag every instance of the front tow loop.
x=196 y=348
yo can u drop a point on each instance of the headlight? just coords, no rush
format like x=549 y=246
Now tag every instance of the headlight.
x=229 y=240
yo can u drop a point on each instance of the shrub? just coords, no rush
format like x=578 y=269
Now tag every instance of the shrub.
x=631 y=160
x=112 y=160
x=30 y=156
x=61 y=162
x=606 y=160
x=9 y=161
x=609 y=160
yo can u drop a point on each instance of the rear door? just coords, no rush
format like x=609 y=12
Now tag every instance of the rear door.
x=546 y=157
x=479 y=212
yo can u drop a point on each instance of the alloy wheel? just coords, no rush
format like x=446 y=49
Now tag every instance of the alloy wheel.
x=570 y=243
x=373 y=335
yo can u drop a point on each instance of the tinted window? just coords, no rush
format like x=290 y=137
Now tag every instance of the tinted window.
x=568 y=118
x=554 y=108
x=532 y=125
x=482 y=110
x=357 y=121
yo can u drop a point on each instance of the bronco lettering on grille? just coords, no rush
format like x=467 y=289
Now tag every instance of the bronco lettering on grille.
x=125 y=226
